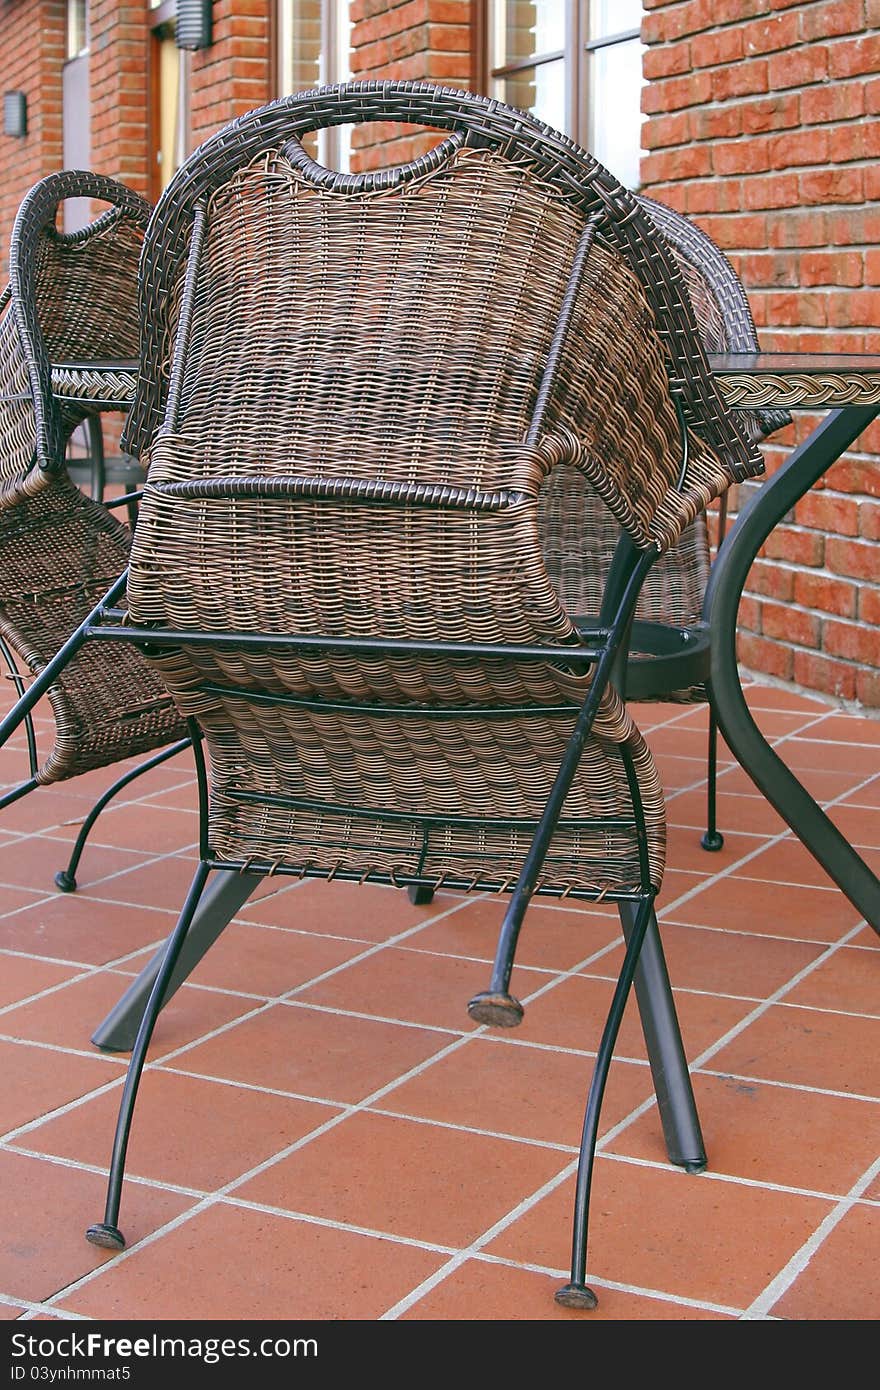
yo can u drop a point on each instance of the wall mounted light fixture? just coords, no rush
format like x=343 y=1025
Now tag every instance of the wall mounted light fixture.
x=193 y=24
x=14 y=114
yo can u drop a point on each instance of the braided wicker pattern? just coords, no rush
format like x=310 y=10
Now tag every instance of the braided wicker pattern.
x=366 y=384
x=816 y=390
x=105 y=387
x=70 y=296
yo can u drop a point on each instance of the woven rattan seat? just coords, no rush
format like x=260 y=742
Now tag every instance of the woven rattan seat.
x=354 y=394
x=68 y=333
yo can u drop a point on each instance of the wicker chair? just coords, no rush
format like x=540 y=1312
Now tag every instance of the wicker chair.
x=68 y=326
x=354 y=393
x=672 y=595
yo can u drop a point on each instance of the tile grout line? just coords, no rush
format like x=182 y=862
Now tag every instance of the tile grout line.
x=787 y=1276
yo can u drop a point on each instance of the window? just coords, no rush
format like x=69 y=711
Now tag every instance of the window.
x=313 y=46
x=576 y=64
x=76 y=109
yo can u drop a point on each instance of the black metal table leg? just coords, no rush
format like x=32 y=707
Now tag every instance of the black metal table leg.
x=782 y=789
x=669 y=1068
x=219 y=904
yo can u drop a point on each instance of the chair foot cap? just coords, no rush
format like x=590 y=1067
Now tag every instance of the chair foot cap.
x=712 y=840
x=65 y=881
x=108 y=1237
x=576 y=1296
x=498 y=1010
x=697 y=1165
x=419 y=893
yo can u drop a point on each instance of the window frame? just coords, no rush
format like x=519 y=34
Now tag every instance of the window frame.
x=332 y=143
x=580 y=46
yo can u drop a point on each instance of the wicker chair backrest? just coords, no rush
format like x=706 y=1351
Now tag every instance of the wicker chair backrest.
x=568 y=176
x=71 y=296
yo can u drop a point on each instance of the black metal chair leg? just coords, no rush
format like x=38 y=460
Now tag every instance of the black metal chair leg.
x=419 y=894
x=712 y=839
x=576 y=1294
x=106 y=1233
x=496 y=1006
x=65 y=879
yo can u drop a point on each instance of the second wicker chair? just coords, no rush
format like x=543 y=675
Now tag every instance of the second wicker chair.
x=68 y=335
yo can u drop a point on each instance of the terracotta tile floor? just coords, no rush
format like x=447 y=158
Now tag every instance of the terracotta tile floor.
x=324 y=1134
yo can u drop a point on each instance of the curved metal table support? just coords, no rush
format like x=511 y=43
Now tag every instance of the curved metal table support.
x=799 y=381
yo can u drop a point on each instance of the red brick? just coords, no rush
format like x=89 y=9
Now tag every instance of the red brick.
x=789 y=624
x=855 y=140
x=770 y=35
x=872 y=183
x=742 y=230
x=838 y=102
x=771 y=658
x=714 y=195
x=868 y=689
x=869 y=605
x=854 y=307
x=856 y=558
x=817 y=672
x=745 y=156
x=749 y=614
x=685 y=162
x=831 y=186
x=716 y=122
x=828 y=511
x=831 y=268
x=822 y=592
x=853 y=227
x=871 y=89
x=798 y=67
x=797 y=228
x=718 y=46
x=673 y=93
x=775 y=112
x=852 y=641
x=774 y=581
x=666 y=62
x=799 y=309
x=849 y=57
x=740 y=79
x=773 y=191
x=869 y=523
x=798 y=147
x=661 y=131
x=798 y=547
x=833 y=17
x=764 y=269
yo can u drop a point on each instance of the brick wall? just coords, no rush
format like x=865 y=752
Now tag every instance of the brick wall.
x=233 y=75
x=421 y=40
x=762 y=126
x=118 y=81
x=32 y=58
